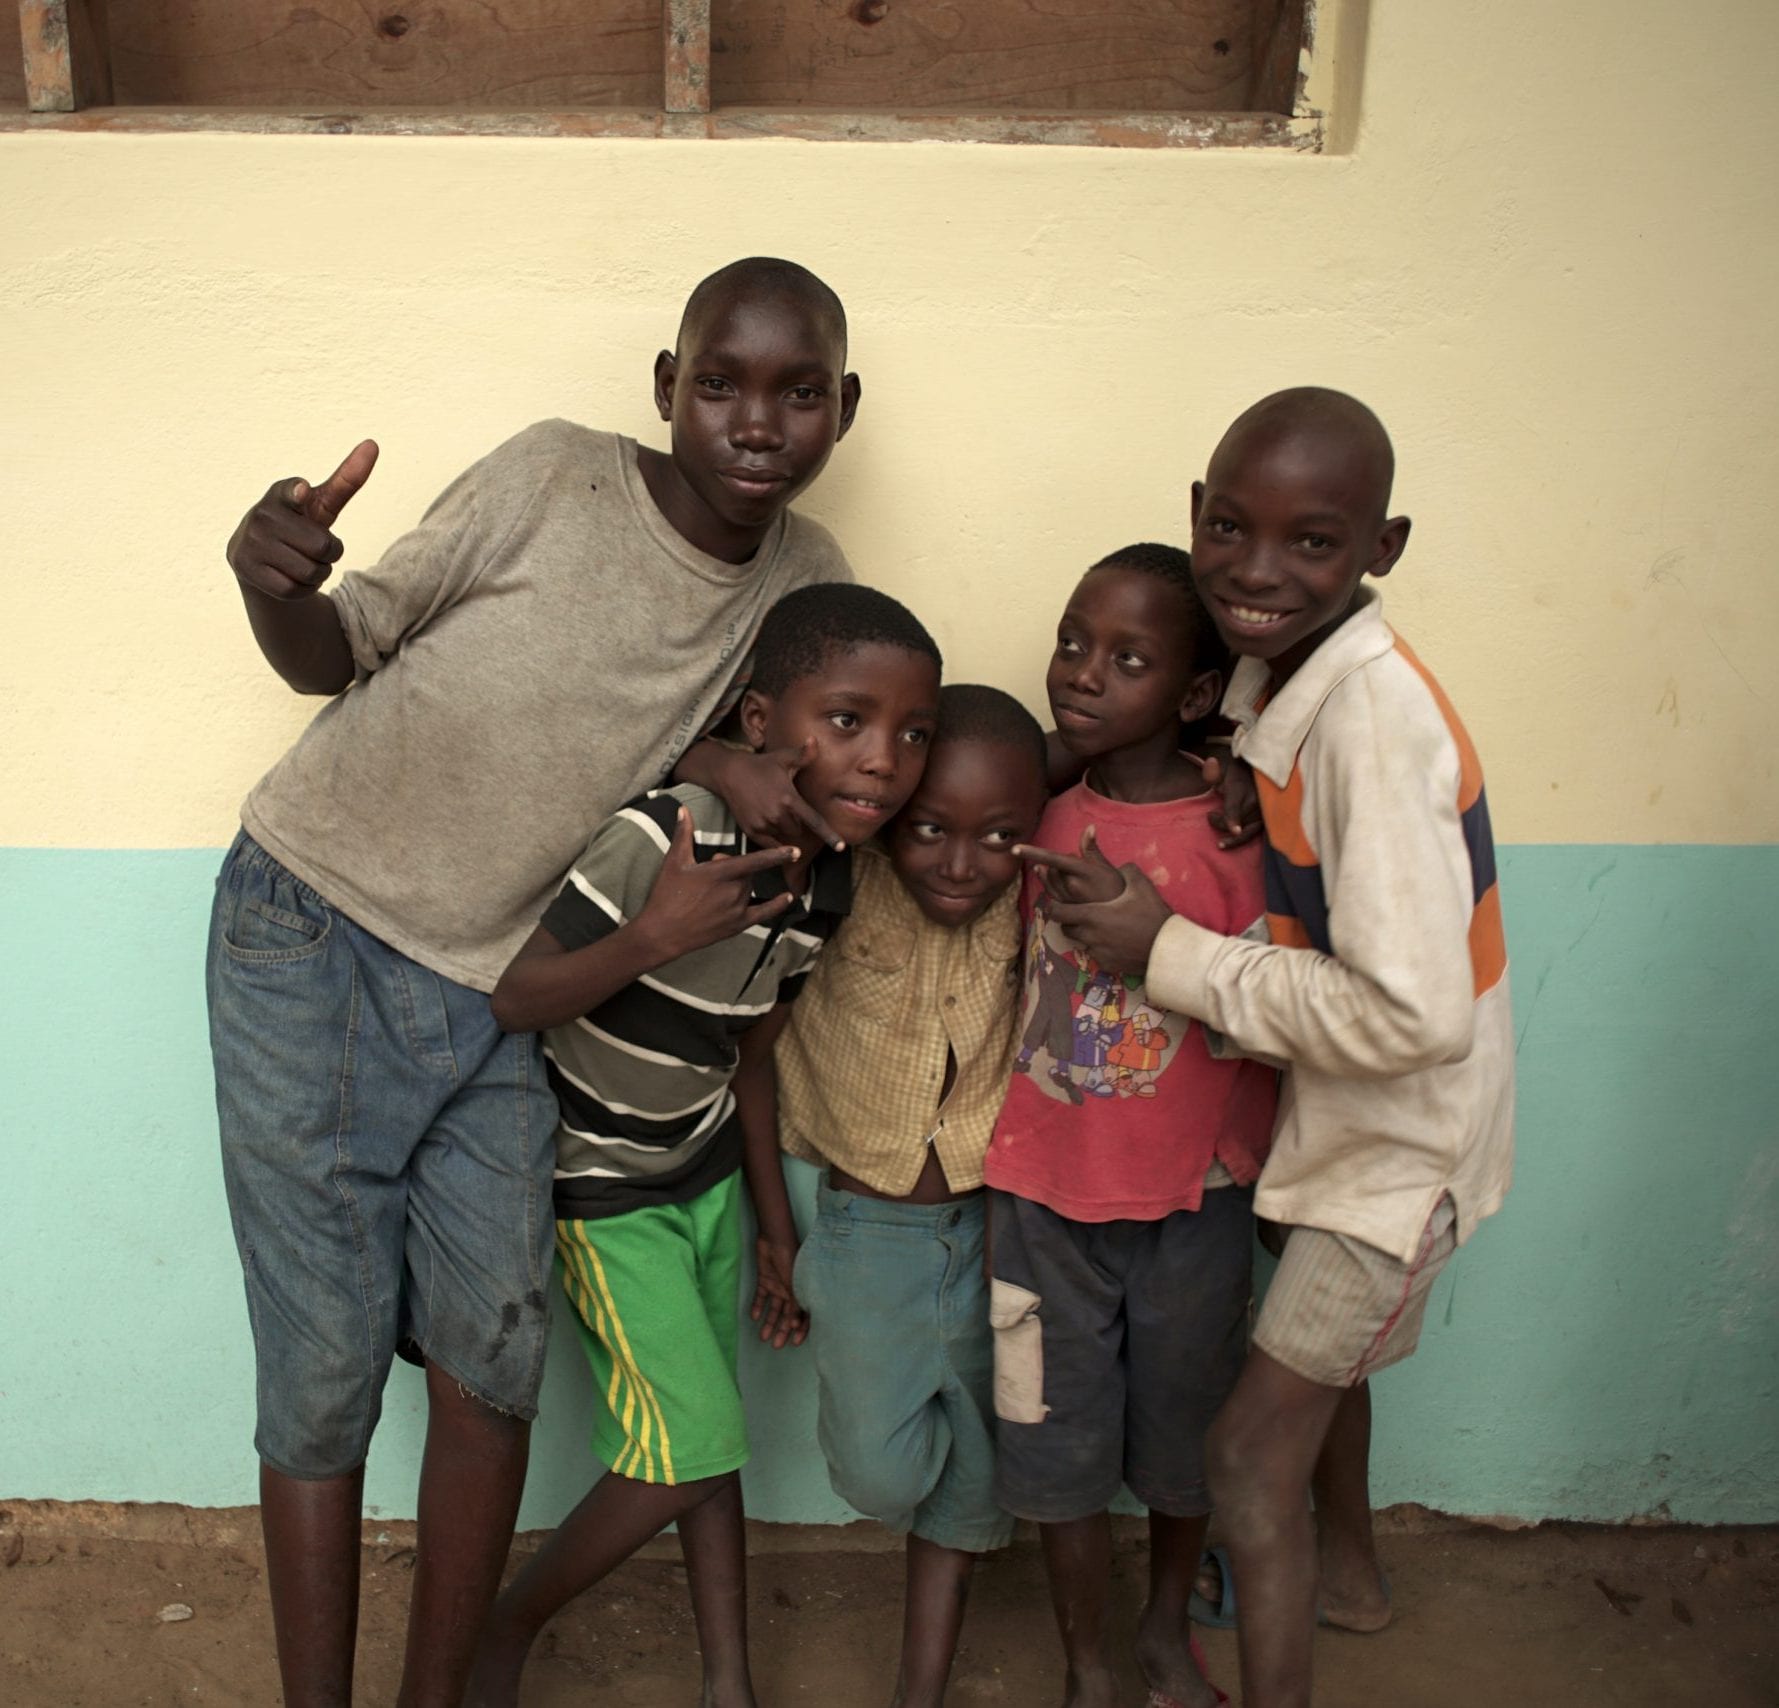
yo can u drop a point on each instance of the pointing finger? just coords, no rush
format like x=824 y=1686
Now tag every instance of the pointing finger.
x=766 y=910
x=814 y=821
x=762 y=860
x=679 y=845
x=1070 y=865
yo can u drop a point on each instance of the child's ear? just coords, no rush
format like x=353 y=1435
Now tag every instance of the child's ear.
x=1198 y=500
x=1201 y=696
x=850 y=393
x=752 y=713
x=666 y=367
x=1389 y=546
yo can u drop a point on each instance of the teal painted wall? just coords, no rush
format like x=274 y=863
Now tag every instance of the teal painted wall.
x=1607 y=1347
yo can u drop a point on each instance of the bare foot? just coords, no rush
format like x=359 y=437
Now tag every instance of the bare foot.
x=1168 y=1666
x=1096 y=1689
x=1354 y=1596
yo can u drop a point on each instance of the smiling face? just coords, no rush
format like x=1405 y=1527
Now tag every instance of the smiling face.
x=870 y=712
x=952 y=845
x=1122 y=674
x=1285 y=526
x=757 y=401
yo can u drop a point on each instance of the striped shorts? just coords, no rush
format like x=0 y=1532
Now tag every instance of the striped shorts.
x=1340 y=1310
x=655 y=1299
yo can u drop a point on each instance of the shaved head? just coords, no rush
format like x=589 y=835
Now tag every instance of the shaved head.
x=764 y=278
x=1338 y=429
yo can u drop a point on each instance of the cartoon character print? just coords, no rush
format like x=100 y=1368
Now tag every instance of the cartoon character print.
x=1081 y=1035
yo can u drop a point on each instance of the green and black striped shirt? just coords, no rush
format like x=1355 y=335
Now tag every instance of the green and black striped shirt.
x=647 y=1115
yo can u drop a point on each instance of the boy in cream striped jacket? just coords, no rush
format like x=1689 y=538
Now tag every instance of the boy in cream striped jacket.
x=1384 y=989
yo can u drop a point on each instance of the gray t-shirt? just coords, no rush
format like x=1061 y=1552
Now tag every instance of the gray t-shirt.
x=543 y=646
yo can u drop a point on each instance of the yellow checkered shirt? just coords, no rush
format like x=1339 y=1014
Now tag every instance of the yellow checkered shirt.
x=862 y=1061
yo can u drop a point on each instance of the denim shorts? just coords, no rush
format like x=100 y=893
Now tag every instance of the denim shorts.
x=1116 y=1343
x=898 y=1323
x=387 y=1151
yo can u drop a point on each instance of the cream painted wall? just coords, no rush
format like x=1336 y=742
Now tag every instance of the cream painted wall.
x=1547 y=259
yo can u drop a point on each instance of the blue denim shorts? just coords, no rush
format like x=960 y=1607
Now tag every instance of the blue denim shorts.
x=387 y=1151
x=898 y=1323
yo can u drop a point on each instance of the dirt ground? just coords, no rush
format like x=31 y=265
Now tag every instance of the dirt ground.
x=1563 y=1615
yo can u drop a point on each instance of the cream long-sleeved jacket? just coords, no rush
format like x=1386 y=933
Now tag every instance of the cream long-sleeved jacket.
x=1385 y=985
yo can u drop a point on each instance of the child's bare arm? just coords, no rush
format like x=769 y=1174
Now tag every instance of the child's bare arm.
x=760 y=789
x=776 y=1309
x=281 y=553
x=691 y=905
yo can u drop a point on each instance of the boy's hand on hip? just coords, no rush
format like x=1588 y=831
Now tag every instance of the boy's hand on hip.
x=1118 y=927
x=782 y=1320
x=761 y=790
x=696 y=903
x=285 y=546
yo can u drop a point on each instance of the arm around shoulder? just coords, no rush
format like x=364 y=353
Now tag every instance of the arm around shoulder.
x=1394 y=993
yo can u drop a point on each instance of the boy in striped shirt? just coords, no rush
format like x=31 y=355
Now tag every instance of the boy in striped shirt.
x=661 y=974
x=1384 y=989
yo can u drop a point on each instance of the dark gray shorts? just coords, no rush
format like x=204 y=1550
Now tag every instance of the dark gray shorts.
x=1115 y=1345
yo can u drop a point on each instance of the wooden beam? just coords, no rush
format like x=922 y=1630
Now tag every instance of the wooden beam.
x=67 y=64
x=687 y=80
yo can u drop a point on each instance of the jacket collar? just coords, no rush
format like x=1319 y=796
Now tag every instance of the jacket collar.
x=1271 y=727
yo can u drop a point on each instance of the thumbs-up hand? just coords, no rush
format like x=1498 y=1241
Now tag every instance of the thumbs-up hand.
x=285 y=547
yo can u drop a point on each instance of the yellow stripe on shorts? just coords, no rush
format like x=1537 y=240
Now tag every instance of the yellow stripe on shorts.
x=586 y=1304
x=617 y=1341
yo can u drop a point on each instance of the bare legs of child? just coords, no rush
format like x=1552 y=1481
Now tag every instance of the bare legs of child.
x=1078 y=1562
x=609 y=1525
x=1352 y=1595
x=470 y=1481
x=938 y=1586
x=1263 y=1453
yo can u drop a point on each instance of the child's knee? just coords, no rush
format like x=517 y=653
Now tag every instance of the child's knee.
x=885 y=1487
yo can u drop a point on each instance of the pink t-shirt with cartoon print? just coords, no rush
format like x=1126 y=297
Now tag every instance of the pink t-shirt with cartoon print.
x=1117 y=1109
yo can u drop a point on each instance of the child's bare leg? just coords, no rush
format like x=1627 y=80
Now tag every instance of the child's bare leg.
x=1261 y=1452
x=932 y=1617
x=471 y=1478
x=1078 y=1562
x=1164 y=1632
x=713 y=1539
x=312 y=1541
x=1353 y=1594
x=610 y=1524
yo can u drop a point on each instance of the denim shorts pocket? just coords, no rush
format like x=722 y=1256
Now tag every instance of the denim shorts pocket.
x=1019 y=1353
x=260 y=933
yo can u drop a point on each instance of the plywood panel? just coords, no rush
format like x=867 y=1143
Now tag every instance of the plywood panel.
x=12 y=58
x=468 y=54
x=1007 y=55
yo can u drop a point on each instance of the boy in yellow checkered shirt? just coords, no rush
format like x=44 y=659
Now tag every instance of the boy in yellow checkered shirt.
x=891 y=1073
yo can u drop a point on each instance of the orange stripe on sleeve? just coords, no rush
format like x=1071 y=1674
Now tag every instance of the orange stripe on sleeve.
x=1283 y=811
x=1470 y=777
x=1289 y=930
x=1488 y=942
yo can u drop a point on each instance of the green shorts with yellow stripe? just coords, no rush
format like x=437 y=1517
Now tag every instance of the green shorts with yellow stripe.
x=655 y=1297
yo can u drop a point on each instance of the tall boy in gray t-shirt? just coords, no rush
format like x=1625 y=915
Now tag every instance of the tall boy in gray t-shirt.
x=551 y=639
